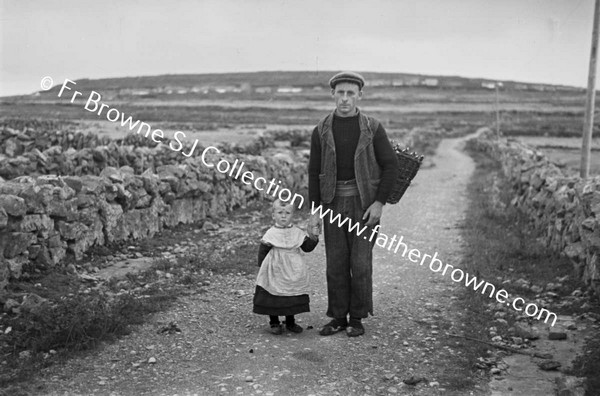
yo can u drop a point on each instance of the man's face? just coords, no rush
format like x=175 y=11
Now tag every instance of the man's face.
x=346 y=97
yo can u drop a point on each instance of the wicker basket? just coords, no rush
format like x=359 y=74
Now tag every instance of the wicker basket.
x=408 y=166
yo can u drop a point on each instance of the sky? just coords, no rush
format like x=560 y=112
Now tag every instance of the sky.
x=543 y=41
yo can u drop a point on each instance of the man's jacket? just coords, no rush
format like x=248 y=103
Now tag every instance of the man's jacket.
x=366 y=168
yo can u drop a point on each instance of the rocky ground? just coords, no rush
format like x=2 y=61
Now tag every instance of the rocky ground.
x=209 y=342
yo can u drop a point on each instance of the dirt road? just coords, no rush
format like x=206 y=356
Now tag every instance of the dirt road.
x=225 y=349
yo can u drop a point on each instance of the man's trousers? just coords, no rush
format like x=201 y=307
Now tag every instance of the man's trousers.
x=349 y=259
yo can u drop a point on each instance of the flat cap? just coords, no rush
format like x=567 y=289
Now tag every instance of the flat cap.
x=347 y=76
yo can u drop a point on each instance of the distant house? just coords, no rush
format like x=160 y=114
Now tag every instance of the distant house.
x=134 y=91
x=226 y=89
x=430 y=82
x=287 y=89
x=488 y=85
x=407 y=81
x=378 y=83
x=200 y=89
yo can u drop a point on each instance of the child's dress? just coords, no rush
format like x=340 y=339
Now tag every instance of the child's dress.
x=282 y=284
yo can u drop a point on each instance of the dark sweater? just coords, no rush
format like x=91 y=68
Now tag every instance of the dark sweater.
x=346 y=133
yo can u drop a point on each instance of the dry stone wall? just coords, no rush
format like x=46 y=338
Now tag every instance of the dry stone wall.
x=565 y=210
x=45 y=217
x=42 y=148
x=62 y=192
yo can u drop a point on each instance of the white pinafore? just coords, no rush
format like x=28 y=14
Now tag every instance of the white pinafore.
x=283 y=271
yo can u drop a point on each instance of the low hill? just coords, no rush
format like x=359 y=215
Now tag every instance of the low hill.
x=285 y=81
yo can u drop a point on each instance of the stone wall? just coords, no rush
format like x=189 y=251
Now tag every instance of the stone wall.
x=44 y=151
x=66 y=192
x=44 y=218
x=564 y=210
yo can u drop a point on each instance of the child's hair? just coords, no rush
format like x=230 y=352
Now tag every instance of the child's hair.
x=279 y=203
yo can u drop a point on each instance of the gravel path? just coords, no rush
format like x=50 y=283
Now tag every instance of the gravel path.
x=225 y=349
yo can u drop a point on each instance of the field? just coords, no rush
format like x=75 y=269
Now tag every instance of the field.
x=232 y=107
x=565 y=152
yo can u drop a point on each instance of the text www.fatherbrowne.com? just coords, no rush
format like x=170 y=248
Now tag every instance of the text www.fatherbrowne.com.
x=394 y=243
x=456 y=274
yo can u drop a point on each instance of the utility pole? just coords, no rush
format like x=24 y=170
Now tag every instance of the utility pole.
x=497 y=86
x=588 y=123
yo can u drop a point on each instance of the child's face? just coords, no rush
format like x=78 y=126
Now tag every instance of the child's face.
x=283 y=215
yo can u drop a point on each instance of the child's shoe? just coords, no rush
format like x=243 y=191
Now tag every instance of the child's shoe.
x=294 y=328
x=276 y=329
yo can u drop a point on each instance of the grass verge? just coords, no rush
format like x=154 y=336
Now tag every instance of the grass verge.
x=71 y=315
x=502 y=248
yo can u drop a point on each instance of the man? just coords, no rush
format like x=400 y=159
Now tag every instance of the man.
x=352 y=169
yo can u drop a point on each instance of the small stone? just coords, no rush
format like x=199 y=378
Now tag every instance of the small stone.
x=388 y=377
x=10 y=304
x=392 y=390
x=536 y=289
x=208 y=226
x=496 y=371
x=549 y=365
x=557 y=335
x=152 y=360
x=525 y=331
x=405 y=343
x=249 y=379
x=497 y=339
x=413 y=380
x=517 y=340
x=434 y=384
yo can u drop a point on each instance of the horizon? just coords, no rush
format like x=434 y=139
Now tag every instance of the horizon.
x=326 y=78
x=536 y=42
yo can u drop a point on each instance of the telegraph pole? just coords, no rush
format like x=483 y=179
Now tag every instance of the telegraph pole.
x=588 y=123
x=496 y=86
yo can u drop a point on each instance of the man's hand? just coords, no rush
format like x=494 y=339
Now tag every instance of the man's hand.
x=314 y=226
x=373 y=213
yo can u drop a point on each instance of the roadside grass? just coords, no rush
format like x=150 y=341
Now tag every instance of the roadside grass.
x=588 y=366
x=501 y=248
x=77 y=316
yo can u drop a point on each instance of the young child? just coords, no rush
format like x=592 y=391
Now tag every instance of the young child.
x=282 y=283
